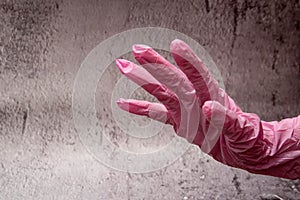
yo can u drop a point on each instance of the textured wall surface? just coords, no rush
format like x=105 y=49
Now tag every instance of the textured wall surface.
x=255 y=44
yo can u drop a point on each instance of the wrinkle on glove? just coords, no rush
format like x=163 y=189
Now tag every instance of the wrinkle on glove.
x=270 y=148
x=203 y=113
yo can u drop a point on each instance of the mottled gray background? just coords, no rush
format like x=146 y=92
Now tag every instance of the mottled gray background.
x=255 y=44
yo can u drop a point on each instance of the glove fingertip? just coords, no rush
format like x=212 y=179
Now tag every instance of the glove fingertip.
x=140 y=48
x=123 y=104
x=177 y=43
x=124 y=65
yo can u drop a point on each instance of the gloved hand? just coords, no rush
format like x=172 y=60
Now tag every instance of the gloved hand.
x=192 y=102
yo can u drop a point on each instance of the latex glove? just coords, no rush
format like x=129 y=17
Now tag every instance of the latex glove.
x=201 y=112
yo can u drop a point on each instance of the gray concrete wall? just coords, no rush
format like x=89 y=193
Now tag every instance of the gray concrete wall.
x=255 y=44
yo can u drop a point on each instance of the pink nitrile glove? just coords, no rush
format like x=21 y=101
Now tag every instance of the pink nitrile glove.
x=200 y=111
